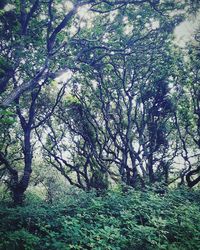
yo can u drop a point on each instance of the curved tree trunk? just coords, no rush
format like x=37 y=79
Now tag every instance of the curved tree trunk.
x=192 y=183
x=19 y=188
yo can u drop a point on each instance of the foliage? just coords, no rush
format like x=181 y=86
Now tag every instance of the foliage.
x=116 y=220
x=103 y=88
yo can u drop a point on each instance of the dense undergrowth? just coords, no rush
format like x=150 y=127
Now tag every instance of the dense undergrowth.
x=115 y=220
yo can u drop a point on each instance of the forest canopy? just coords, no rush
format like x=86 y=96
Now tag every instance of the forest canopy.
x=97 y=96
x=100 y=91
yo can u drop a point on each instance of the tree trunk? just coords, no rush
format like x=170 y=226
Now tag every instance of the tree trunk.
x=18 y=196
x=191 y=183
x=20 y=187
x=150 y=169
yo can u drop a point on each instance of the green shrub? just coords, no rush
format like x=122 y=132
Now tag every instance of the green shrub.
x=116 y=220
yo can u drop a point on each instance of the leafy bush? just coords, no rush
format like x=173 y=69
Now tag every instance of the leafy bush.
x=116 y=220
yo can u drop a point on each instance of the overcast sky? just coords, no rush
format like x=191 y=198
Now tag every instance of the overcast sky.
x=186 y=29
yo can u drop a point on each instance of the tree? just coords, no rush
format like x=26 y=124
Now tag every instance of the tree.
x=119 y=114
x=124 y=130
x=28 y=111
x=188 y=115
x=36 y=53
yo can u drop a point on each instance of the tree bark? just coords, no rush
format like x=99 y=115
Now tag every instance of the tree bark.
x=19 y=189
x=18 y=195
x=192 y=183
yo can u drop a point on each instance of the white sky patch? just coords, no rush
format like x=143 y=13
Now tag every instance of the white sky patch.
x=63 y=77
x=41 y=82
x=152 y=24
x=128 y=50
x=23 y=61
x=89 y=24
x=9 y=7
x=94 y=84
x=42 y=17
x=128 y=29
x=83 y=11
x=86 y=18
x=68 y=5
x=125 y=20
x=155 y=24
x=73 y=30
x=59 y=7
x=184 y=31
x=105 y=38
x=113 y=15
x=83 y=24
x=138 y=16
